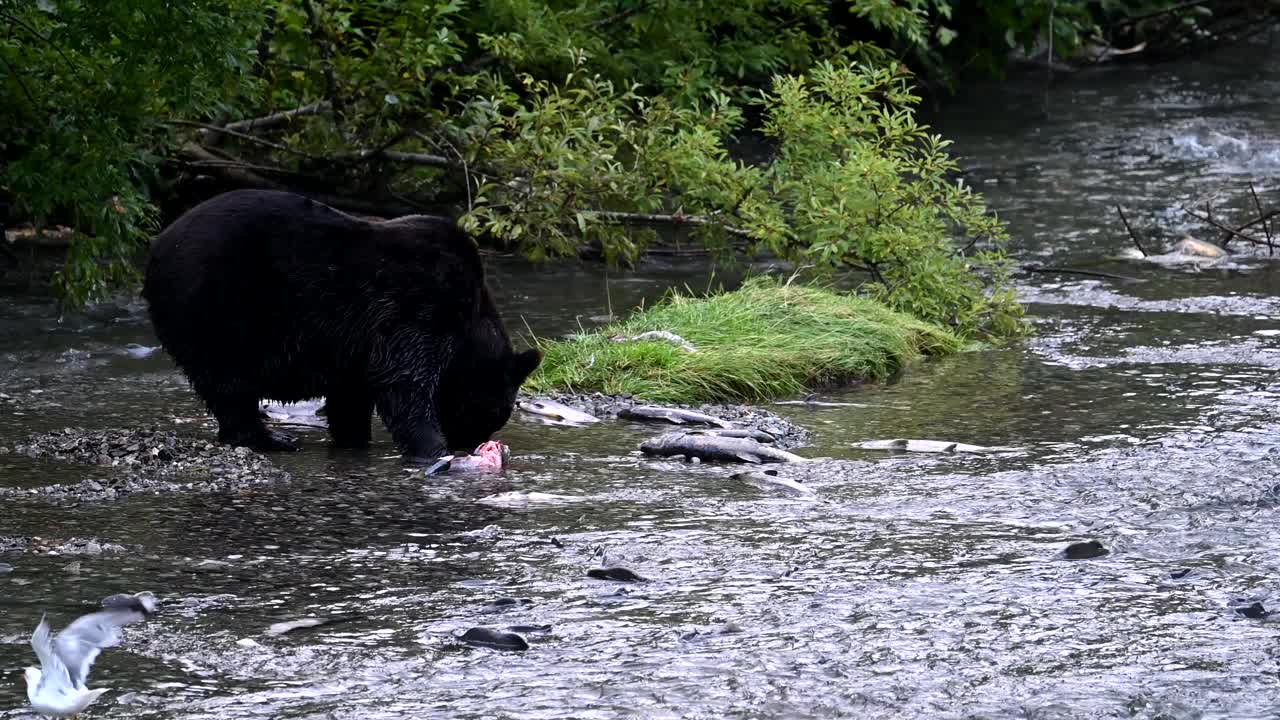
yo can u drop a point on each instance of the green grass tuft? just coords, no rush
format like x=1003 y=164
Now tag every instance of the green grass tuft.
x=763 y=341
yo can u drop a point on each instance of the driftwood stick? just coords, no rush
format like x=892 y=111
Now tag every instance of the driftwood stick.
x=1224 y=228
x=1073 y=271
x=1266 y=227
x=1132 y=235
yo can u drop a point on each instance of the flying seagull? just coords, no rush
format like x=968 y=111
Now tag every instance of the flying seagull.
x=57 y=688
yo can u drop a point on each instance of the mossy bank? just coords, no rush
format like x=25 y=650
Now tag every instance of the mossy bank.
x=765 y=340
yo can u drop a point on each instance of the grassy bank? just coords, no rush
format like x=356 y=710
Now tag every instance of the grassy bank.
x=766 y=340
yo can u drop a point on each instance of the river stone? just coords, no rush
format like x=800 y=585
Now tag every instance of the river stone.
x=494 y=639
x=1251 y=609
x=1084 y=550
x=616 y=574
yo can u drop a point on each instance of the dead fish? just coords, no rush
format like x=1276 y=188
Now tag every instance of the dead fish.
x=710 y=447
x=518 y=498
x=677 y=416
x=557 y=412
x=494 y=639
x=616 y=574
x=928 y=446
x=757 y=435
x=288 y=626
x=138 y=352
x=658 y=336
x=770 y=482
x=491 y=456
x=1199 y=248
x=300 y=413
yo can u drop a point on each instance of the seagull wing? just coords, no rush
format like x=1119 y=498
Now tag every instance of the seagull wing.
x=79 y=644
x=53 y=671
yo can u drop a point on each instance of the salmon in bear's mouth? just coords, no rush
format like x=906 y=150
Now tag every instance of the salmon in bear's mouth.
x=491 y=456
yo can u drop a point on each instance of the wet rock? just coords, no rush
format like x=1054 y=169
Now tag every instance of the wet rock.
x=144 y=460
x=1084 y=550
x=616 y=574
x=5 y=568
x=248 y=643
x=494 y=639
x=1251 y=609
x=72 y=567
x=787 y=434
x=52 y=546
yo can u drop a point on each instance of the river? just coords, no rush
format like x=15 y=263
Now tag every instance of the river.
x=912 y=587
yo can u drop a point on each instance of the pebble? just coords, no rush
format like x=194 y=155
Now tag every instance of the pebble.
x=616 y=574
x=1084 y=550
x=494 y=639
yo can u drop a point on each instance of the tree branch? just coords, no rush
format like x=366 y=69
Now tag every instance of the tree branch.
x=278 y=118
x=628 y=218
x=1224 y=228
x=243 y=136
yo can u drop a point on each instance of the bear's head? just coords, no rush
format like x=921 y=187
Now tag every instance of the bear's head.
x=477 y=400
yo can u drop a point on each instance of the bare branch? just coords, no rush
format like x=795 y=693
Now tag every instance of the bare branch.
x=279 y=118
x=1132 y=235
x=628 y=218
x=243 y=136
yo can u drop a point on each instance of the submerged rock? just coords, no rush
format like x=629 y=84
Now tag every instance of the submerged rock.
x=1252 y=609
x=504 y=604
x=494 y=639
x=1084 y=550
x=616 y=574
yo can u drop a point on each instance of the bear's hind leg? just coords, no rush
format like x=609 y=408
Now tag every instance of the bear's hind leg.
x=350 y=415
x=240 y=424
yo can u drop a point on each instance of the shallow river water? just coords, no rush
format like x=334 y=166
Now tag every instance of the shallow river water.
x=911 y=587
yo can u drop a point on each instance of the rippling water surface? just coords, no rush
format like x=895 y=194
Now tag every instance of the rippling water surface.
x=1144 y=414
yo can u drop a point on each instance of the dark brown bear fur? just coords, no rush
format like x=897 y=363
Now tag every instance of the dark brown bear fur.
x=268 y=295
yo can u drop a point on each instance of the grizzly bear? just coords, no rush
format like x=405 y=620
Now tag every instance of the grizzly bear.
x=262 y=294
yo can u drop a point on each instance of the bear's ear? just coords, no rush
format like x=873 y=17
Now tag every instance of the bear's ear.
x=522 y=365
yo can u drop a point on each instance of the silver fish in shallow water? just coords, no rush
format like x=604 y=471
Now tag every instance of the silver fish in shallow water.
x=712 y=447
x=556 y=412
x=757 y=435
x=769 y=481
x=677 y=416
x=929 y=446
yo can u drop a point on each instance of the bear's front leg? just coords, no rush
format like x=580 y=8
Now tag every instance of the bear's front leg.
x=410 y=416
